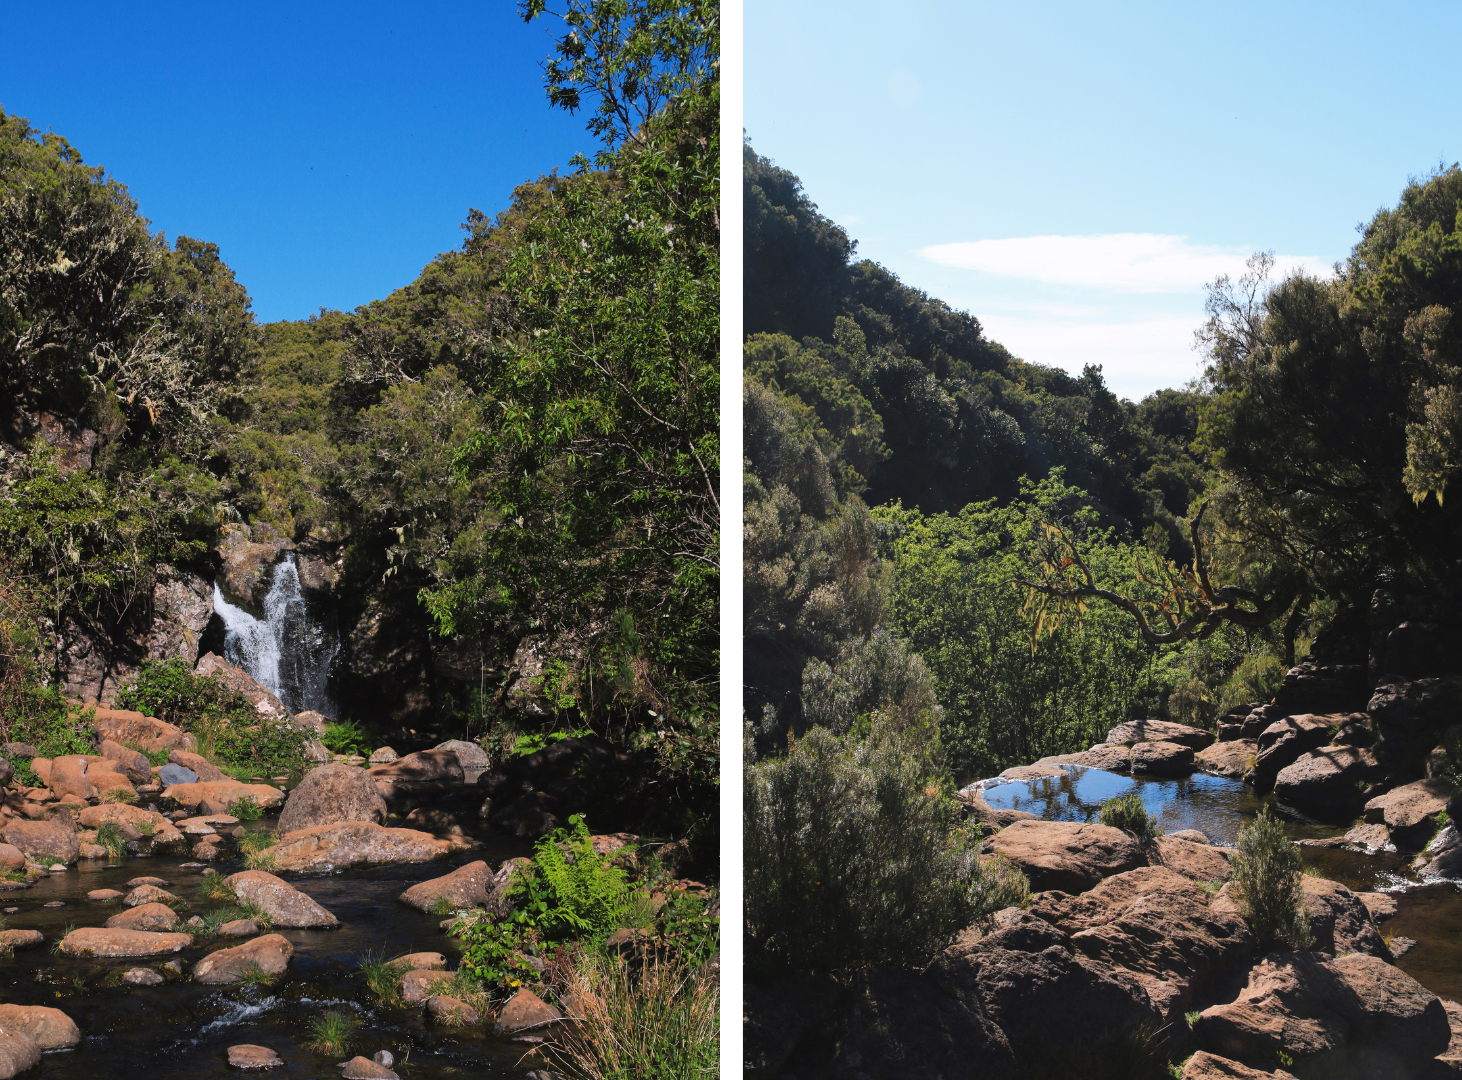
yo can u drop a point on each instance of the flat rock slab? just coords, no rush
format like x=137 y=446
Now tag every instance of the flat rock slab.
x=1034 y=772
x=156 y=882
x=1327 y=780
x=20 y=939
x=155 y=917
x=1199 y=861
x=248 y=1056
x=1229 y=759
x=525 y=1011
x=223 y=793
x=1370 y=838
x=147 y=894
x=1410 y=806
x=101 y=941
x=462 y=888
x=50 y=1028
x=282 y=902
x=1162 y=759
x=1305 y=1007
x=105 y=894
x=1286 y=739
x=1110 y=757
x=1452 y=1056
x=1139 y=731
x=269 y=954
x=141 y=976
x=1382 y=906
x=353 y=843
x=1206 y=1066
x=1065 y=855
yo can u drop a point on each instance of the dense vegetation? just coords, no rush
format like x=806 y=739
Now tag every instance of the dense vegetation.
x=943 y=538
x=523 y=441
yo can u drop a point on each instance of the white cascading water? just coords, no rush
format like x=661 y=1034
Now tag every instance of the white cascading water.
x=288 y=651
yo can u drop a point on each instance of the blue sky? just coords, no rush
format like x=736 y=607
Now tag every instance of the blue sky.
x=1073 y=173
x=330 y=150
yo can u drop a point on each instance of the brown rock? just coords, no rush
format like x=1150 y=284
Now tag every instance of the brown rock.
x=11 y=857
x=1039 y=771
x=157 y=882
x=1340 y=922
x=1141 y=731
x=1410 y=806
x=141 y=976
x=283 y=903
x=18 y=1052
x=1285 y=740
x=1325 y=780
x=47 y=841
x=106 y=780
x=332 y=794
x=1206 y=1066
x=1372 y=838
x=451 y=1011
x=247 y=1056
x=363 y=1068
x=42 y=768
x=1231 y=759
x=147 y=894
x=310 y=721
x=126 y=726
x=525 y=1011
x=246 y=563
x=270 y=954
x=530 y=816
x=105 y=894
x=353 y=843
x=443 y=765
x=1382 y=906
x=99 y=941
x=1298 y=1004
x=156 y=917
x=238 y=928
x=264 y=700
x=50 y=1028
x=1066 y=855
x=464 y=887
x=95 y=816
x=223 y=793
x=20 y=939
x=1162 y=759
x=206 y=771
x=420 y=961
x=68 y=777
x=182 y=605
x=417 y=986
x=134 y=766
x=1110 y=757
x=1201 y=862
x=1452 y=1056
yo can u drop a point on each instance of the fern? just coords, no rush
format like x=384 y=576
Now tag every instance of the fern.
x=585 y=893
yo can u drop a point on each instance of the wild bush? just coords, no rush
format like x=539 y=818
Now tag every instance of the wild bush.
x=853 y=857
x=1127 y=812
x=1268 y=884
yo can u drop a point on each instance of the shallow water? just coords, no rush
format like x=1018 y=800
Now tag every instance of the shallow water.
x=184 y=1029
x=1217 y=807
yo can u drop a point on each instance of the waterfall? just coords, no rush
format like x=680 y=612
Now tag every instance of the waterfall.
x=289 y=650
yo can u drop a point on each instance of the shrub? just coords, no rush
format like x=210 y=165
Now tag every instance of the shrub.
x=1127 y=812
x=345 y=737
x=246 y=809
x=1268 y=884
x=653 y=1019
x=852 y=857
x=333 y=1031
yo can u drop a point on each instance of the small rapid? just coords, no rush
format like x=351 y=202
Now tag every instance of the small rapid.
x=290 y=649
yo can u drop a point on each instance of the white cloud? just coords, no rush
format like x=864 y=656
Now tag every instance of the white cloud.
x=1126 y=262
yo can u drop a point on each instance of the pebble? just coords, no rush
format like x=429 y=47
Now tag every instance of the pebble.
x=104 y=894
x=192 y=866
x=55 y=903
x=383 y=1057
x=140 y=976
x=175 y=966
x=57 y=866
x=246 y=1056
x=1400 y=946
x=11 y=910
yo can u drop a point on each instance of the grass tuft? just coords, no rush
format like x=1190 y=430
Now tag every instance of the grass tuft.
x=442 y=908
x=212 y=887
x=382 y=977
x=1128 y=813
x=261 y=860
x=246 y=809
x=333 y=1032
x=118 y=795
x=257 y=841
x=254 y=975
x=109 y=836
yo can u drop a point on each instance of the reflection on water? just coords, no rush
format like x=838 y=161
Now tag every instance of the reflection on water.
x=1217 y=807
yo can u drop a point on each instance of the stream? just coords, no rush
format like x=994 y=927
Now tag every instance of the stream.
x=1430 y=914
x=182 y=1028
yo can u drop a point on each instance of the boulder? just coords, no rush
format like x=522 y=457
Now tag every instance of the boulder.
x=332 y=794
x=133 y=728
x=420 y=961
x=383 y=755
x=530 y=816
x=141 y=976
x=11 y=857
x=1065 y=855
x=310 y=721
x=18 y=1052
x=283 y=903
x=134 y=765
x=68 y=777
x=50 y=1028
x=105 y=780
x=93 y=817
x=502 y=883
x=1328 y=780
x=1410 y=807
x=1231 y=759
x=1199 y=861
x=223 y=793
x=264 y=700
x=1110 y=757
x=1382 y=906
x=1452 y=1056
x=238 y=928
x=469 y=754
x=363 y=1068
x=246 y=561
x=325 y=848
x=448 y=1010
x=1285 y=740
x=20 y=939
x=1161 y=759
x=1319 y=1011
x=269 y=954
x=417 y=986
x=101 y=941
x=1139 y=731
x=1206 y=1066
x=464 y=887
x=1046 y=769
x=147 y=894
x=425 y=765
x=1340 y=921
x=1416 y=705
x=197 y=764
x=248 y=1056
x=1157 y=926
x=1441 y=860
x=49 y=841
x=154 y=917
x=525 y=1011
